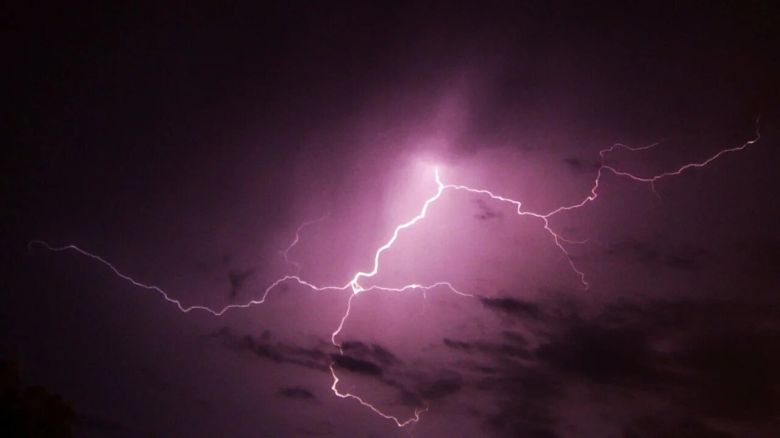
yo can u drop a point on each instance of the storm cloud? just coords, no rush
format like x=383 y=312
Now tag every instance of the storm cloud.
x=261 y=158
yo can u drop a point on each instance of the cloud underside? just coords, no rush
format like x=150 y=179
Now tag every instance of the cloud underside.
x=678 y=368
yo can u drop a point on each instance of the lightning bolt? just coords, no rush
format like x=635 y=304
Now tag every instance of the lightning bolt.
x=355 y=283
x=286 y=253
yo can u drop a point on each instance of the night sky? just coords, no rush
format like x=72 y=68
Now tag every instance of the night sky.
x=188 y=145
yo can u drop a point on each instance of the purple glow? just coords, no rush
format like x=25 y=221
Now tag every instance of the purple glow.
x=520 y=219
x=355 y=283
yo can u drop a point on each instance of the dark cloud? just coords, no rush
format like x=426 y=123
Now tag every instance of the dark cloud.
x=512 y=307
x=237 y=278
x=579 y=166
x=598 y=354
x=761 y=259
x=414 y=387
x=100 y=424
x=357 y=365
x=412 y=399
x=457 y=345
x=485 y=211
x=383 y=355
x=514 y=337
x=763 y=250
x=522 y=421
x=711 y=365
x=732 y=374
x=684 y=259
x=371 y=351
x=295 y=392
x=524 y=397
x=672 y=426
x=503 y=350
x=499 y=350
x=31 y=410
x=264 y=346
x=153 y=380
x=422 y=388
x=441 y=388
x=697 y=357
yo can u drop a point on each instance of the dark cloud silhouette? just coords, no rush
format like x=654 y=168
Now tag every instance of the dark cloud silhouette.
x=485 y=211
x=295 y=392
x=411 y=399
x=512 y=307
x=522 y=421
x=457 y=345
x=371 y=351
x=237 y=278
x=99 y=424
x=514 y=337
x=523 y=401
x=357 y=365
x=761 y=257
x=441 y=388
x=383 y=355
x=714 y=359
x=423 y=388
x=670 y=425
x=366 y=359
x=500 y=350
x=732 y=374
x=696 y=356
x=31 y=411
x=577 y=165
x=266 y=347
x=599 y=354
x=684 y=259
x=503 y=350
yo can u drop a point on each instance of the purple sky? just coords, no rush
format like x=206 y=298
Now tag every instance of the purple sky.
x=187 y=147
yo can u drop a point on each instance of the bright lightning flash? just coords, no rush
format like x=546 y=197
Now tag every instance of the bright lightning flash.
x=355 y=283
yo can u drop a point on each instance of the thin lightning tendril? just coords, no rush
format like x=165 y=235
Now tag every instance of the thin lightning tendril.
x=286 y=253
x=354 y=284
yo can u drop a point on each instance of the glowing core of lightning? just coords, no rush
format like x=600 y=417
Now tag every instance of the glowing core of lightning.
x=356 y=287
x=354 y=284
